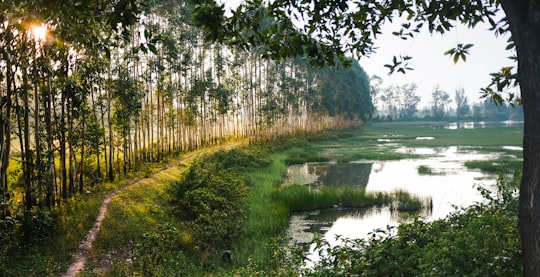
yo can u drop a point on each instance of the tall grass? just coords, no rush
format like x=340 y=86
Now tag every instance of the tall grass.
x=403 y=201
x=298 y=198
x=267 y=219
x=504 y=165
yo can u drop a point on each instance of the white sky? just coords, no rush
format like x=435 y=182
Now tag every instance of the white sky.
x=432 y=67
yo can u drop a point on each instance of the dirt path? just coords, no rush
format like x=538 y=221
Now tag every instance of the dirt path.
x=86 y=245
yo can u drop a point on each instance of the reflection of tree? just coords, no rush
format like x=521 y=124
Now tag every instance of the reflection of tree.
x=354 y=174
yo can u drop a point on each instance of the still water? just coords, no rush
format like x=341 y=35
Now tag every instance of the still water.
x=450 y=184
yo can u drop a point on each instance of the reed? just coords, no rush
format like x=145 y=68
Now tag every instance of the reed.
x=403 y=201
x=298 y=198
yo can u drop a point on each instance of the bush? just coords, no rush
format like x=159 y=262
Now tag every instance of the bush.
x=209 y=196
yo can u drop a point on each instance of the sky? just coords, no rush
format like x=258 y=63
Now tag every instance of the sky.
x=432 y=67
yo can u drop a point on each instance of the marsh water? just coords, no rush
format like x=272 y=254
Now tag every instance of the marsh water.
x=450 y=185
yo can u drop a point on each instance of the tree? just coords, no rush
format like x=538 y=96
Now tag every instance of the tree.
x=409 y=101
x=329 y=24
x=397 y=102
x=439 y=102
x=345 y=92
x=462 y=103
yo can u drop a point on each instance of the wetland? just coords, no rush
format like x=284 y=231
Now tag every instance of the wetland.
x=444 y=163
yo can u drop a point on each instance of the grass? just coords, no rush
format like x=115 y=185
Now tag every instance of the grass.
x=298 y=198
x=266 y=218
x=403 y=201
x=407 y=132
x=501 y=165
x=137 y=210
x=382 y=141
x=426 y=170
x=73 y=220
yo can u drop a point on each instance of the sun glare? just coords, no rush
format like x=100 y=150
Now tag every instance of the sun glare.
x=39 y=32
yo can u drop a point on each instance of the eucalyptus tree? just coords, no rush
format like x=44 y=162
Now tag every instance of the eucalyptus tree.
x=127 y=98
x=79 y=26
x=398 y=101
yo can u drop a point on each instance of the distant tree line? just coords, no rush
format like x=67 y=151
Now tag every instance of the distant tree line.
x=400 y=102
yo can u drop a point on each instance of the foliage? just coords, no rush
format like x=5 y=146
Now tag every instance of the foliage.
x=209 y=196
x=462 y=103
x=343 y=91
x=396 y=102
x=403 y=201
x=154 y=249
x=481 y=240
x=439 y=103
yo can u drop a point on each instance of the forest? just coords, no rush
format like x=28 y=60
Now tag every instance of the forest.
x=89 y=94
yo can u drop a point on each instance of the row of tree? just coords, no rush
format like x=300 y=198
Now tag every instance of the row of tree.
x=401 y=102
x=104 y=90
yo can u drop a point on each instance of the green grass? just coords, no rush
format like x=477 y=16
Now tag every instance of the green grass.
x=298 y=198
x=426 y=170
x=403 y=201
x=381 y=141
x=503 y=165
x=73 y=220
x=407 y=132
x=266 y=218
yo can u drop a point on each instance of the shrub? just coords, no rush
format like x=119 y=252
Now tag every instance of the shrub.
x=209 y=196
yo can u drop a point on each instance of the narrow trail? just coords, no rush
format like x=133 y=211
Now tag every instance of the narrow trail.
x=83 y=254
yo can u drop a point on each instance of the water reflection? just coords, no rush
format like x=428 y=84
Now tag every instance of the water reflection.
x=449 y=184
x=483 y=124
x=329 y=174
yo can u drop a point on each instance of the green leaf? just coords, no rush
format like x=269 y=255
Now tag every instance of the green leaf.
x=152 y=48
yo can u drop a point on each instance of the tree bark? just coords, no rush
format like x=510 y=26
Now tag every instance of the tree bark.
x=524 y=19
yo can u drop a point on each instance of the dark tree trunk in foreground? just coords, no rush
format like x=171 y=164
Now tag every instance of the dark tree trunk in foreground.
x=524 y=19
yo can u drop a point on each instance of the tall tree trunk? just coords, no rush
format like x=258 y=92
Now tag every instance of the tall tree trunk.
x=524 y=19
x=81 y=167
x=27 y=164
x=50 y=193
x=110 y=128
x=37 y=139
x=63 y=152
x=5 y=141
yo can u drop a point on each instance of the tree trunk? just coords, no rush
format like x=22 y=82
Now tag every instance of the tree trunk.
x=27 y=163
x=524 y=21
x=50 y=194
x=110 y=171
x=5 y=142
x=63 y=152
